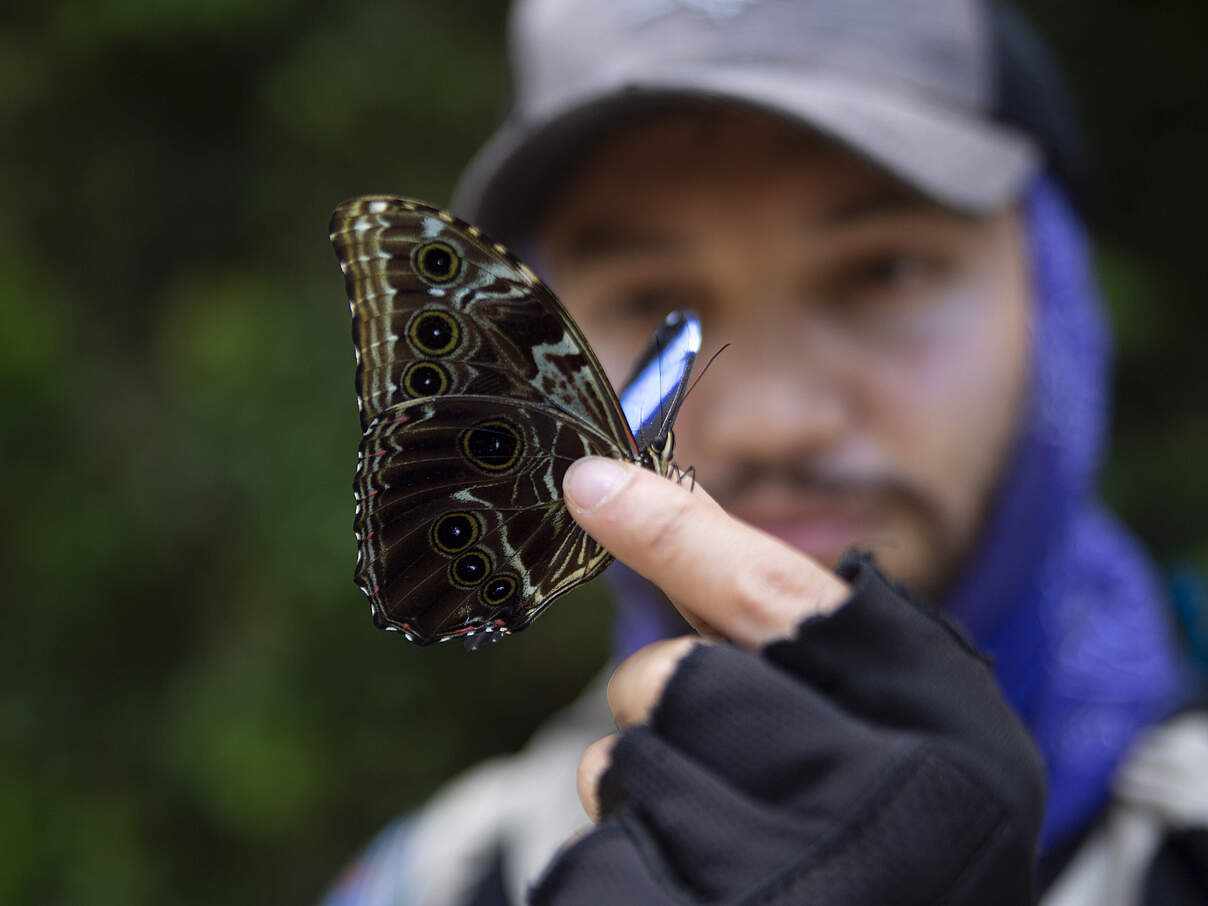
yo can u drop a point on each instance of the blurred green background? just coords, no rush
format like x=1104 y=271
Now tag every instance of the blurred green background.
x=194 y=706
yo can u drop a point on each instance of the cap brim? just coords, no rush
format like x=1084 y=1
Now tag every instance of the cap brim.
x=960 y=160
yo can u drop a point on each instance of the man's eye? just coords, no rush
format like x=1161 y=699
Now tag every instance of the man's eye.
x=882 y=278
x=890 y=270
x=646 y=304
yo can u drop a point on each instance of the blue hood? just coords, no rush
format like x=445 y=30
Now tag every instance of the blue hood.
x=1058 y=593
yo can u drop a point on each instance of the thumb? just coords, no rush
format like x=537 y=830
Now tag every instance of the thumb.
x=720 y=572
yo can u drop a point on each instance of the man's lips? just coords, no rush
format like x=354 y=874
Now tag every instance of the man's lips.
x=822 y=526
x=824 y=540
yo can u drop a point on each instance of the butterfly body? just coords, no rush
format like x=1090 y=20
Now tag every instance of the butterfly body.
x=476 y=392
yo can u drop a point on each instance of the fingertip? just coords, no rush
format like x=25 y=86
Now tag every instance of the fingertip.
x=592 y=766
x=636 y=686
x=593 y=481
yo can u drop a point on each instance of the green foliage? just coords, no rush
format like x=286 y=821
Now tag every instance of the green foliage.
x=194 y=706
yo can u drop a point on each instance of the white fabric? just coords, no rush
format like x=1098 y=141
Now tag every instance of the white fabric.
x=526 y=806
x=527 y=803
x=1161 y=787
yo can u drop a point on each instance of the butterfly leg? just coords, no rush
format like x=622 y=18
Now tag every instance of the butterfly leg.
x=680 y=474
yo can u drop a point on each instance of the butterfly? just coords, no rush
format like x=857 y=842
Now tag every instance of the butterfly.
x=476 y=392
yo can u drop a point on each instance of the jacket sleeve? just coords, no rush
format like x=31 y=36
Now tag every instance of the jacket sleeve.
x=868 y=760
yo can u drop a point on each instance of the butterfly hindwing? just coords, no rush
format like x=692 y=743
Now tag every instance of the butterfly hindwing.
x=460 y=518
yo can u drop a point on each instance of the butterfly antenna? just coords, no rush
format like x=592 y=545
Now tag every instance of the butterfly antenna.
x=658 y=357
x=690 y=472
x=712 y=359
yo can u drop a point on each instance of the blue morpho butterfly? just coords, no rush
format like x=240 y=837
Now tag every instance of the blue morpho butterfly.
x=476 y=392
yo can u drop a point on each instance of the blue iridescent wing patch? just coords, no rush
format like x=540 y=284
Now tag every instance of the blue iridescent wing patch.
x=655 y=389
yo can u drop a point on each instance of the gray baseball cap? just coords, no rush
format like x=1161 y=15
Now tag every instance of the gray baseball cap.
x=907 y=84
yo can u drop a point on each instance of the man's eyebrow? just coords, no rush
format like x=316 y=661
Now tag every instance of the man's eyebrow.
x=599 y=240
x=885 y=201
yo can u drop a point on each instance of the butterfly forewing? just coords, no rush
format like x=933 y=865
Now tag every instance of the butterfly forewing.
x=440 y=309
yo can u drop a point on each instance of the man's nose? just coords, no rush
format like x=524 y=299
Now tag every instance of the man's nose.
x=766 y=398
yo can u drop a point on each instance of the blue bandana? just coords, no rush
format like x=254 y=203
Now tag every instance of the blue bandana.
x=1057 y=592
x=1061 y=596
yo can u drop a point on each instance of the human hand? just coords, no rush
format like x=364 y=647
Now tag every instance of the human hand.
x=726 y=578
x=843 y=754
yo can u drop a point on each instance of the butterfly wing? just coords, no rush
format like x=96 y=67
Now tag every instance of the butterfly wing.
x=439 y=309
x=476 y=392
x=460 y=516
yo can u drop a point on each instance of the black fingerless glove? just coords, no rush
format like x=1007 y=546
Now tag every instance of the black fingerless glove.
x=871 y=760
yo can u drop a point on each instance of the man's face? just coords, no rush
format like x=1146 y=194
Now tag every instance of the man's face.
x=877 y=343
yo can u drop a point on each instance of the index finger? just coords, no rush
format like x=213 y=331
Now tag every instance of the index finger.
x=745 y=584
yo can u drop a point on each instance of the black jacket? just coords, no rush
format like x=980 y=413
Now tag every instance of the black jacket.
x=868 y=760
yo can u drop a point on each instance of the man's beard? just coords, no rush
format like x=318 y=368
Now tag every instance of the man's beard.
x=884 y=493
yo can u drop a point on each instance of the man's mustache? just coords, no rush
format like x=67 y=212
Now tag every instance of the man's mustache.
x=808 y=478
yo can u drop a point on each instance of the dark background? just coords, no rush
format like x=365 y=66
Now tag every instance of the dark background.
x=194 y=707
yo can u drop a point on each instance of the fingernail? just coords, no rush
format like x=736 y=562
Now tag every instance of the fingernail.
x=590 y=482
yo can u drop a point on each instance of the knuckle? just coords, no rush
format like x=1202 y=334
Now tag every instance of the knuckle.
x=766 y=592
x=661 y=536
